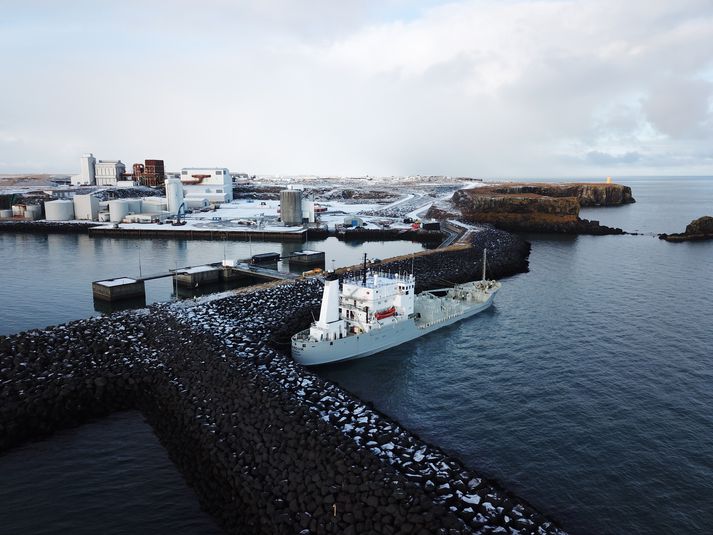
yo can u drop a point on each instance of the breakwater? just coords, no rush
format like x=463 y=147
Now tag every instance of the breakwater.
x=268 y=446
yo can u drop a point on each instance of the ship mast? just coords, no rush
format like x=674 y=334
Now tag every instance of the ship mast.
x=485 y=260
x=363 y=272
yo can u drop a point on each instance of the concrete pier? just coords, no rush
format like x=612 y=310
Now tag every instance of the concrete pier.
x=198 y=276
x=118 y=289
x=307 y=258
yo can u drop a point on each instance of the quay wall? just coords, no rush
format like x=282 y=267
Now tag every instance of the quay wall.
x=45 y=227
x=268 y=446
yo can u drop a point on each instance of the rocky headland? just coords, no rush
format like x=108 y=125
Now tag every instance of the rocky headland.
x=534 y=207
x=698 y=229
x=268 y=446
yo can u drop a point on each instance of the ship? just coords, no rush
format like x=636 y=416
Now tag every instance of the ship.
x=380 y=310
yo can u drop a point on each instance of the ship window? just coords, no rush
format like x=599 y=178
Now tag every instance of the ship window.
x=331 y=343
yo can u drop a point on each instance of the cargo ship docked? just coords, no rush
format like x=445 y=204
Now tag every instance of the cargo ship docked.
x=378 y=311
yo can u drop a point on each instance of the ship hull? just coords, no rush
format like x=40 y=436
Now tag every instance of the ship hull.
x=311 y=353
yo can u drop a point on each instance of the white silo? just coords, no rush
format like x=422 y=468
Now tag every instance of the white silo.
x=86 y=207
x=118 y=210
x=87 y=165
x=60 y=210
x=174 y=194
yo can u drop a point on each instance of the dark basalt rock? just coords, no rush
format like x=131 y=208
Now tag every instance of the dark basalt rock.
x=550 y=208
x=268 y=446
x=696 y=230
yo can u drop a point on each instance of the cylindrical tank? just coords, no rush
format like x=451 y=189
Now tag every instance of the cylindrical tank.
x=6 y=214
x=60 y=210
x=174 y=194
x=33 y=212
x=291 y=206
x=118 y=210
x=134 y=205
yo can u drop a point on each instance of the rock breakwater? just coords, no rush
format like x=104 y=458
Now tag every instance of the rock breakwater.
x=268 y=446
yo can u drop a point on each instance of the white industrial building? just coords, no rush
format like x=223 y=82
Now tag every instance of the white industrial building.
x=86 y=175
x=109 y=172
x=214 y=184
x=86 y=207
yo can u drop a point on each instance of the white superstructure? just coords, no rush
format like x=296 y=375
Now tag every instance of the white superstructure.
x=379 y=311
x=212 y=183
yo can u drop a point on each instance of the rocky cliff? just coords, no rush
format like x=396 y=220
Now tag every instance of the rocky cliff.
x=587 y=194
x=534 y=207
x=698 y=229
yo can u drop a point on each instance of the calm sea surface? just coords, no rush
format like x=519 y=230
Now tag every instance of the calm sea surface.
x=587 y=389
x=46 y=280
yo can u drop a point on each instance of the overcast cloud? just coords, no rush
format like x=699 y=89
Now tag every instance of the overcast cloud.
x=480 y=88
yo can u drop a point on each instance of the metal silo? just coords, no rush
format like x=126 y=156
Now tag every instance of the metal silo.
x=174 y=194
x=291 y=207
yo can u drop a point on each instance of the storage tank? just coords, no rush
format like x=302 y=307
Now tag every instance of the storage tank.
x=174 y=194
x=33 y=212
x=118 y=210
x=6 y=214
x=291 y=207
x=154 y=204
x=86 y=207
x=61 y=210
x=134 y=205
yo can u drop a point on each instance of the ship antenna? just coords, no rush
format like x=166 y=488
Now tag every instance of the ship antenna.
x=363 y=274
x=485 y=260
x=412 y=258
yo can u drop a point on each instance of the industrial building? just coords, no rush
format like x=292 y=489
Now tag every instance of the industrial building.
x=86 y=207
x=109 y=172
x=214 y=184
x=150 y=173
x=86 y=176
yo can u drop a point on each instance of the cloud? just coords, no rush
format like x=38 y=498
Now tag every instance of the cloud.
x=482 y=87
x=603 y=158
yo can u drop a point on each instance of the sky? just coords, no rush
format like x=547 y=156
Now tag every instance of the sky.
x=480 y=88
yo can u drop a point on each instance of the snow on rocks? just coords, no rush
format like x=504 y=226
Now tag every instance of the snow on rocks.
x=268 y=446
